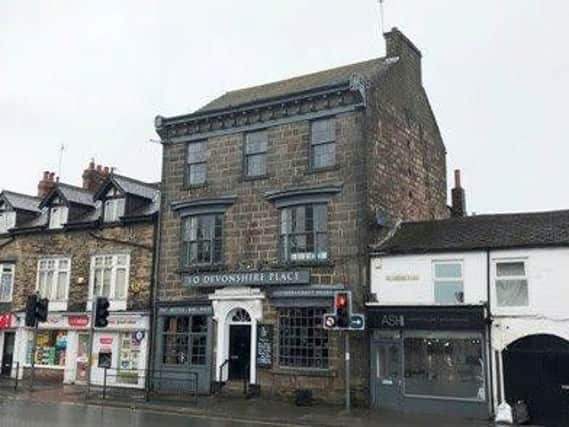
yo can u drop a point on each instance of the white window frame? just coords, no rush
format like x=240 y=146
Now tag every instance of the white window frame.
x=495 y=278
x=57 y=216
x=12 y=267
x=113 y=209
x=448 y=279
x=7 y=221
x=55 y=304
x=115 y=303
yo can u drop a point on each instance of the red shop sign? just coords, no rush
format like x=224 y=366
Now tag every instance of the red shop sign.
x=5 y=320
x=78 y=321
x=106 y=340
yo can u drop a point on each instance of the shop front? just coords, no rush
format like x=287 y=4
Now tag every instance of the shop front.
x=7 y=345
x=429 y=359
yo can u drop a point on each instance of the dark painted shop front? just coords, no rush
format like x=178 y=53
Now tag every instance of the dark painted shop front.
x=429 y=359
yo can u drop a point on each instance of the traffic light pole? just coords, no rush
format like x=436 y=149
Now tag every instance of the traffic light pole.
x=90 y=346
x=34 y=350
x=347 y=368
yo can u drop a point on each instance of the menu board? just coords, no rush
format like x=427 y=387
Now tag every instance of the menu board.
x=264 y=345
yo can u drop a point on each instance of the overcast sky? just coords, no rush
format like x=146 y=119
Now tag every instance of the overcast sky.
x=93 y=74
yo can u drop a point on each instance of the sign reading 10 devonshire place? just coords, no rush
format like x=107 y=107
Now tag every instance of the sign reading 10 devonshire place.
x=248 y=278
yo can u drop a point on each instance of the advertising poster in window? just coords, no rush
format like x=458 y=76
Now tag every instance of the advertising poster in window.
x=129 y=356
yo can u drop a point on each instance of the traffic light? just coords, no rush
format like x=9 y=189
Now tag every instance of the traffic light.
x=42 y=309
x=342 y=309
x=31 y=310
x=101 y=312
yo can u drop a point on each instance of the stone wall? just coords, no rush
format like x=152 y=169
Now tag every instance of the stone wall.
x=80 y=245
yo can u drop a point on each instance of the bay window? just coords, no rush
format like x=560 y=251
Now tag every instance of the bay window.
x=184 y=340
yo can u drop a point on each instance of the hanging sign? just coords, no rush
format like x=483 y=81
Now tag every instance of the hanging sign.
x=5 y=320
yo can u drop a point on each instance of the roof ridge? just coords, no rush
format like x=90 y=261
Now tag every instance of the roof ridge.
x=489 y=215
x=74 y=187
x=135 y=180
x=15 y=193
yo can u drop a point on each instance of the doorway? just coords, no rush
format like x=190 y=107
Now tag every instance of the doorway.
x=536 y=370
x=239 y=351
x=386 y=374
x=8 y=353
x=81 y=362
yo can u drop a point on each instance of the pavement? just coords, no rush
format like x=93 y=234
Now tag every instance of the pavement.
x=64 y=405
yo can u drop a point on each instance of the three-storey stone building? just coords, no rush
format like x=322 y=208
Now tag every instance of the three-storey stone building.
x=270 y=198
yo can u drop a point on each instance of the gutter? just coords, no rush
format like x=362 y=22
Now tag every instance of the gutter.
x=490 y=353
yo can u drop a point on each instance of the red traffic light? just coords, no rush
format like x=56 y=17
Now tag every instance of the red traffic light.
x=341 y=300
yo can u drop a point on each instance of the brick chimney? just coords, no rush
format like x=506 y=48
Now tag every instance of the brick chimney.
x=94 y=176
x=458 y=208
x=46 y=184
x=398 y=45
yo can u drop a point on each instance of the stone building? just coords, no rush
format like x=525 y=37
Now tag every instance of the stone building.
x=71 y=244
x=270 y=198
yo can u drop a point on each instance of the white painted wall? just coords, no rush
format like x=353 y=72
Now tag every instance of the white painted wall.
x=408 y=279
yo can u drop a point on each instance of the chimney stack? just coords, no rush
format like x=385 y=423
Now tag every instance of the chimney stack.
x=46 y=184
x=458 y=208
x=94 y=176
x=398 y=45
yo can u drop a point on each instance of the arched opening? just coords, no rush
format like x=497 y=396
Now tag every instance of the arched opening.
x=536 y=370
x=239 y=321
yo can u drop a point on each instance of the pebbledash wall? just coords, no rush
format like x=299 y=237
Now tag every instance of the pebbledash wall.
x=389 y=165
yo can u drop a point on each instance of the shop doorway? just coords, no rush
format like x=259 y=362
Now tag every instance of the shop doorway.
x=8 y=353
x=536 y=370
x=386 y=374
x=239 y=345
x=82 y=359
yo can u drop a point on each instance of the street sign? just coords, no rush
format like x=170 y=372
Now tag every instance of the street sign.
x=329 y=321
x=357 y=322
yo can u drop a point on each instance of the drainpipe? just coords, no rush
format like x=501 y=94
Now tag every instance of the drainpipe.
x=490 y=352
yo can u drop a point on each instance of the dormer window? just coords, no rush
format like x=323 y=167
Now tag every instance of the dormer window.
x=57 y=216
x=114 y=209
x=7 y=221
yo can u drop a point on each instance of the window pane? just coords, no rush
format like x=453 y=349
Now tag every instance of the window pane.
x=449 y=292
x=323 y=155
x=61 y=285
x=49 y=285
x=6 y=279
x=107 y=274
x=199 y=349
x=197 y=152
x=98 y=283
x=257 y=142
x=512 y=293
x=446 y=367
x=256 y=165
x=199 y=323
x=510 y=269
x=197 y=173
x=120 y=284
x=323 y=131
x=448 y=270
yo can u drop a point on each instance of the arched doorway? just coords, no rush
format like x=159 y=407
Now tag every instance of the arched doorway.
x=536 y=370
x=239 y=321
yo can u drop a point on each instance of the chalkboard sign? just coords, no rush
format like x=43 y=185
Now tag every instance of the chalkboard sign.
x=264 y=345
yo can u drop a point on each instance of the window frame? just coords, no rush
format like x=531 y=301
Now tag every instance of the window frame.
x=116 y=303
x=324 y=336
x=118 y=209
x=189 y=163
x=313 y=144
x=497 y=278
x=185 y=245
x=286 y=237
x=56 y=272
x=448 y=279
x=62 y=217
x=7 y=221
x=12 y=267
x=246 y=155
x=190 y=335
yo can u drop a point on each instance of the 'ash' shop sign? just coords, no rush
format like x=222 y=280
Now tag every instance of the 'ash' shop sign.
x=248 y=278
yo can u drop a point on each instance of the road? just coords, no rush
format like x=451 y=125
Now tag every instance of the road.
x=19 y=413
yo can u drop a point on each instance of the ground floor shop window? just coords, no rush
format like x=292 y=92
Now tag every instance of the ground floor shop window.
x=51 y=347
x=303 y=343
x=444 y=367
x=129 y=358
x=184 y=340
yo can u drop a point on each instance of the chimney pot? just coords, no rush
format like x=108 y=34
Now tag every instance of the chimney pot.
x=106 y=170
x=457 y=178
x=458 y=208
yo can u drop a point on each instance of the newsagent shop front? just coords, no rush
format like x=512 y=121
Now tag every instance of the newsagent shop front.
x=62 y=348
x=429 y=359
x=256 y=327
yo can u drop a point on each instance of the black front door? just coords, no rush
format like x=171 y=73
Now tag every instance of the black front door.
x=8 y=354
x=239 y=351
x=536 y=370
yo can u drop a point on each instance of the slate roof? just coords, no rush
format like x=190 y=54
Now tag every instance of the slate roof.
x=296 y=85
x=76 y=194
x=536 y=229
x=22 y=201
x=137 y=188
